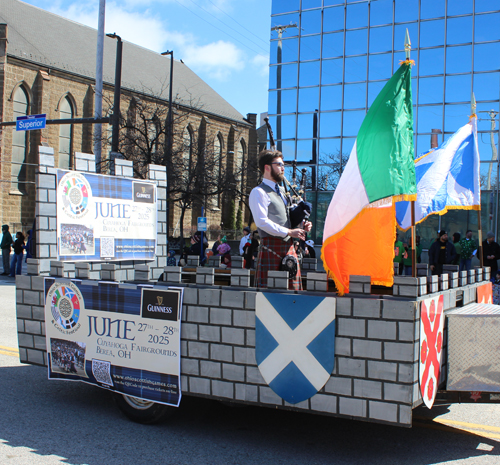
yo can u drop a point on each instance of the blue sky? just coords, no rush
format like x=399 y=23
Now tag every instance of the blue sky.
x=225 y=42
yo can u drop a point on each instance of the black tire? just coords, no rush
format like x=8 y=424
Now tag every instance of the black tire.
x=142 y=411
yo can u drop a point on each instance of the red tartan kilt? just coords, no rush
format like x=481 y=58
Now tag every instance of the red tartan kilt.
x=268 y=261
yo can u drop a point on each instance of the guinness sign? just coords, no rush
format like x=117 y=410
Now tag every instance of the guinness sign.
x=160 y=305
x=144 y=193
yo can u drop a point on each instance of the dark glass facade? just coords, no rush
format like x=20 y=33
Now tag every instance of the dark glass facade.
x=330 y=58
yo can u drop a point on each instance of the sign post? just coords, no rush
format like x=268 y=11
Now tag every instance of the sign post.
x=202 y=227
x=202 y=223
x=30 y=122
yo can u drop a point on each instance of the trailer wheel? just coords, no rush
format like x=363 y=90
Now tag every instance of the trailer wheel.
x=142 y=411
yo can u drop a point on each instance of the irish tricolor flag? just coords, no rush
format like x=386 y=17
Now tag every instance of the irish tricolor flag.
x=360 y=224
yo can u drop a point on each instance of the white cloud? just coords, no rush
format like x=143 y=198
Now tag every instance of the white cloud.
x=261 y=62
x=217 y=58
x=139 y=28
x=137 y=21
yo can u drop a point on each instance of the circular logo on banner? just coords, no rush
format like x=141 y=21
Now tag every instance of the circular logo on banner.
x=75 y=194
x=66 y=304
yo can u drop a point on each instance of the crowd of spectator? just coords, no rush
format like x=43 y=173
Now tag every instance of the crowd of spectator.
x=18 y=246
x=248 y=249
x=460 y=251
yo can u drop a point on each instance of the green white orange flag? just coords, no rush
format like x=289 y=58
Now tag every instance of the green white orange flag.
x=360 y=225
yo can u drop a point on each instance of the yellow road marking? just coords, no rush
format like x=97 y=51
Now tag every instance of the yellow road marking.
x=9 y=351
x=12 y=354
x=457 y=430
x=467 y=425
x=472 y=428
x=9 y=348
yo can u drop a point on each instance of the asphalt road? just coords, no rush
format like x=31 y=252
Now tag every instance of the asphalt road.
x=62 y=422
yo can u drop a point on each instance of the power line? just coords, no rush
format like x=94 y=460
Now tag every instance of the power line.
x=227 y=25
x=213 y=25
x=239 y=24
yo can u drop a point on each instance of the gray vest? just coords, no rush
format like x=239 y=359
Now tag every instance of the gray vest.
x=277 y=212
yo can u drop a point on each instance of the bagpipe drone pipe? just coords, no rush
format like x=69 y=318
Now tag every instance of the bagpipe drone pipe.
x=299 y=209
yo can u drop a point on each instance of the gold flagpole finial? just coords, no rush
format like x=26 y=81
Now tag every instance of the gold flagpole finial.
x=407 y=45
x=473 y=106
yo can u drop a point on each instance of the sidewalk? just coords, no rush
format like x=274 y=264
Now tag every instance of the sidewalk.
x=6 y=280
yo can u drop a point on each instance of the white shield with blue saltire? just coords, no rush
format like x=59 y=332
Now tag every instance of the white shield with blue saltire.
x=294 y=343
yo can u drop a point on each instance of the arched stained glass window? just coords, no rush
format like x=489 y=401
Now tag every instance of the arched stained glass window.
x=19 y=139
x=65 y=134
x=240 y=160
x=218 y=147
x=187 y=147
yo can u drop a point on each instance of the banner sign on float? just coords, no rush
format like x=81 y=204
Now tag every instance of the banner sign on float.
x=431 y=347
x=125 y=338
x=105 y=217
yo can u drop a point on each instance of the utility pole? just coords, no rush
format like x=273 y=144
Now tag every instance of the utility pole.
x=170 y=133
x=494 y=158
x=118 y=83
x=279 y=52
x=98 y=84
x=494 y=153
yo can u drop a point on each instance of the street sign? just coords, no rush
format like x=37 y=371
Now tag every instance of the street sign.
x=30 y=122
x=202 y=223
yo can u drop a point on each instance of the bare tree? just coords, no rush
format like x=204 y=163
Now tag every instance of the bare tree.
x=331 y=167
x=241 y=181
x=197 y=173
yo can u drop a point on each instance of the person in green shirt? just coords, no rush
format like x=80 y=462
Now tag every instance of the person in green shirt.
x=468 y=249
x=407 y=256
x=458 y=249
x=398 y=253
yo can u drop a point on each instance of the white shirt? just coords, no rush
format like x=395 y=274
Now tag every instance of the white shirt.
x=259 y=204
x=243 y=241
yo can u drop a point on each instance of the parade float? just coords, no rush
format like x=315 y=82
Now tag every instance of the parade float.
x=99 y=305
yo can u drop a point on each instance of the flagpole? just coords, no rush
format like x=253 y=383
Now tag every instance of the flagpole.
x=480 y=238
x=412 y=203
x=413 y=242
x=479 y=223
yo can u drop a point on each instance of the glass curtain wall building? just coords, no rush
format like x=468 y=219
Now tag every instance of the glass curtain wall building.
x=330 y=58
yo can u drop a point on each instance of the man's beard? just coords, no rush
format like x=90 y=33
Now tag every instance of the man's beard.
x=277 y=177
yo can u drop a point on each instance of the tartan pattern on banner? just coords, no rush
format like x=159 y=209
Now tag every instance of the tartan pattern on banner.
x=107 y=297
x=269 y=261
x=110 y=187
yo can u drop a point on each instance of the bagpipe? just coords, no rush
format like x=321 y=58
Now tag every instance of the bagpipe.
x=299 y=209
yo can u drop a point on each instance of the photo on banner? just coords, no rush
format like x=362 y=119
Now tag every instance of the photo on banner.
x=124 y=338
x=105 y=217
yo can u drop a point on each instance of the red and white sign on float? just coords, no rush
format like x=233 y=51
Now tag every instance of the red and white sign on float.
x=431 y=347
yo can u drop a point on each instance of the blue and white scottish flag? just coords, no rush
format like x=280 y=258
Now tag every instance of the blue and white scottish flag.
x=295 y=343
x=447 y=178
